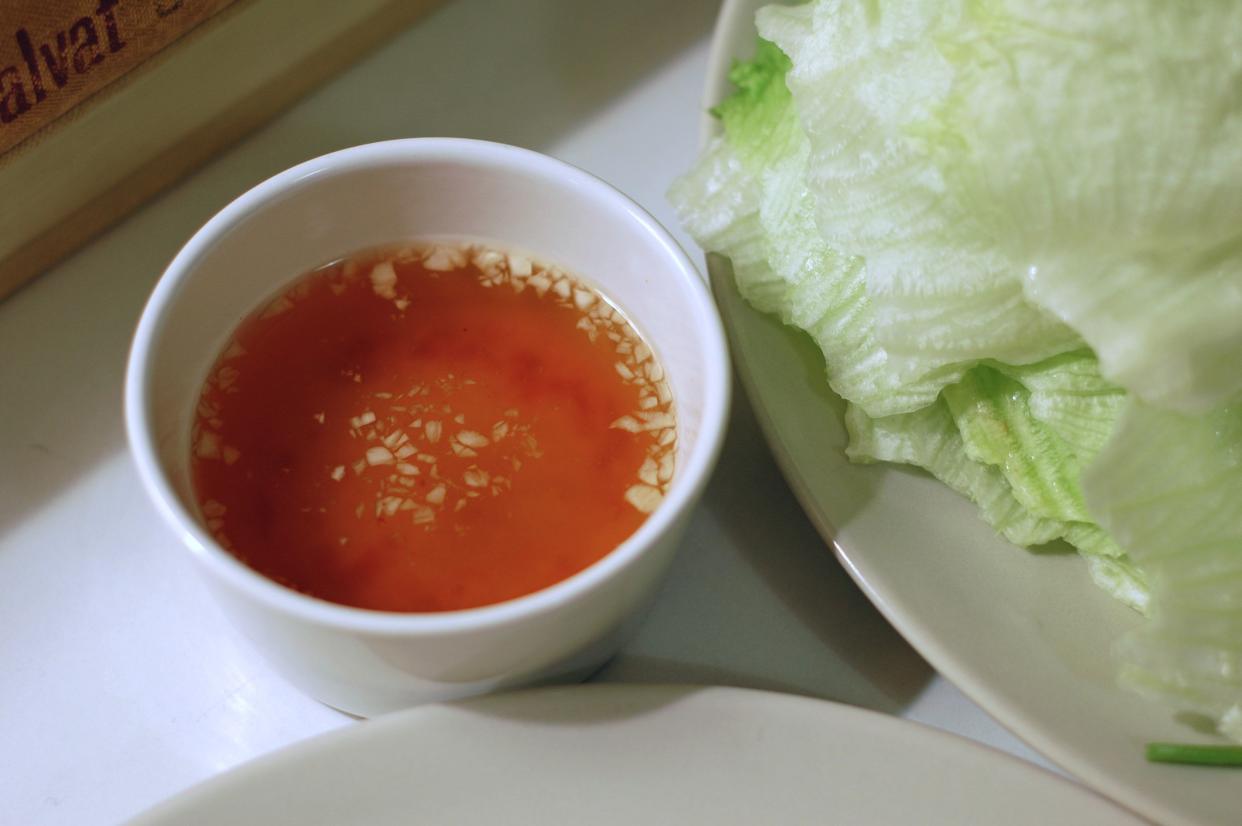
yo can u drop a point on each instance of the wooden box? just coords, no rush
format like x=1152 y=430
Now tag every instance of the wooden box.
x=105 y=102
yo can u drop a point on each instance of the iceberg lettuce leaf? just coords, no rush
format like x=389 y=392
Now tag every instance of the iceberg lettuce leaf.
x=1169 y=487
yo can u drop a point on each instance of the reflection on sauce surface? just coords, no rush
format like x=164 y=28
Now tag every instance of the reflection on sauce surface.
x=431 y=428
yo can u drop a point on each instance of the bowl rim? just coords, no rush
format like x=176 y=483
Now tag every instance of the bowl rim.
x=688 y=482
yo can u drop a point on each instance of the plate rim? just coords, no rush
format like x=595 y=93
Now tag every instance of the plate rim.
x=895 y=731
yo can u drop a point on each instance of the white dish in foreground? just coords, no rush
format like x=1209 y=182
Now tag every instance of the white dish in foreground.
x=1026 y=636
x=638 y=754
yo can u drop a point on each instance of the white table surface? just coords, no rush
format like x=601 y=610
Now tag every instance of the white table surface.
x=123 y=684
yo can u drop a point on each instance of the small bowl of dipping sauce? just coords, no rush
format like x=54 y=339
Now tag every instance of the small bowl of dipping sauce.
x=430 y=415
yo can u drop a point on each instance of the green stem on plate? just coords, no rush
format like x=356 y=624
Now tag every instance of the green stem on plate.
x=1194 y=754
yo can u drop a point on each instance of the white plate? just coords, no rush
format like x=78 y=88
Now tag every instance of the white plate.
x=637 y=755
x=1027 y=637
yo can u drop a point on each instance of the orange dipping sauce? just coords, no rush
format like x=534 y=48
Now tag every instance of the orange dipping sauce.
x=431 y=428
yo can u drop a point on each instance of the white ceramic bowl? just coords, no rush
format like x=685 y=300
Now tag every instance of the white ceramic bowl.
x=368 y=662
